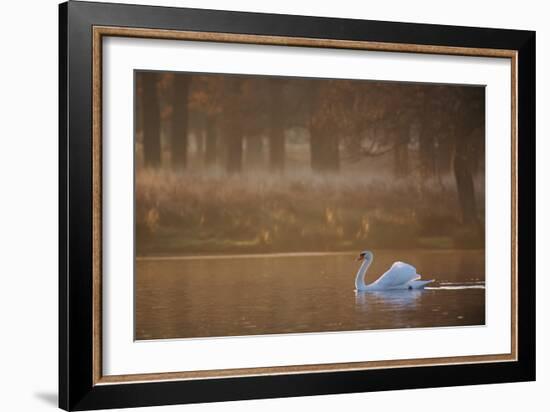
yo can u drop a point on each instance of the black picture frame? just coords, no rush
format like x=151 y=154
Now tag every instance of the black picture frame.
x=77 y=390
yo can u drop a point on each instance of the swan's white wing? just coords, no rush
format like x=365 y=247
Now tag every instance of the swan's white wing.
x=398 y=274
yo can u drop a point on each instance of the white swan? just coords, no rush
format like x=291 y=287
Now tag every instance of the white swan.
x=400 y=276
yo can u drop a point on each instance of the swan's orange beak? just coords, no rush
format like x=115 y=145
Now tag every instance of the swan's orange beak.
x=360 y=257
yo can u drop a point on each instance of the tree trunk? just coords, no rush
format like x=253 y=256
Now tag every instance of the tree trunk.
x=138 y=120
x=400 y=160
x=211 y=144
x=315 y=148
x=444 y=155
x=324 y=149
x=151 y=120
x=401 y=153
x=200 y=142
x=234 y=161
x=179 y=140
x=464 y=182
x=427 y=152
x=323 y=141
x=276 y=150
x=276 y=127
x=233 y=119
x=332 y=152
x=254 y=148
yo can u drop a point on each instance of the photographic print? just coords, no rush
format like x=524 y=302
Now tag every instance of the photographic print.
x=270 y=205
x=264 y=205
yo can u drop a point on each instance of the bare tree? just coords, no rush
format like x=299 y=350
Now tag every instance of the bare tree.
x=151 y=119
x=276 y=125
x=180 y=139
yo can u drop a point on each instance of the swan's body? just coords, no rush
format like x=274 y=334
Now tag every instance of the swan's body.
x=400 y=276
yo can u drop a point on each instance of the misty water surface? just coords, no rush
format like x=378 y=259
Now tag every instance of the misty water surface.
x=269 y=294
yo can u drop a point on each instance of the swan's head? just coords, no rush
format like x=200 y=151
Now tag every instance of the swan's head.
x=365 y=255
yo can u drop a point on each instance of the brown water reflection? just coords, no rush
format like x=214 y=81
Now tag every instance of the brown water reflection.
x=269 y=294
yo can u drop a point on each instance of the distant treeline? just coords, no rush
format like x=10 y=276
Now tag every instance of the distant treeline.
x=233 y=116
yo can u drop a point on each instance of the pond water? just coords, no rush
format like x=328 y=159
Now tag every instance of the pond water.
x=186 y=297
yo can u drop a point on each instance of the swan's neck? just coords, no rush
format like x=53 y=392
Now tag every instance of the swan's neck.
x=360 y=277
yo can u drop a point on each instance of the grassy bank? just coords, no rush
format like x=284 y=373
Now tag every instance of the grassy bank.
x=187 y=213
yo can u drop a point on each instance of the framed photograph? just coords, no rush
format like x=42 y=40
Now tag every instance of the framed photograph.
x=256 y=205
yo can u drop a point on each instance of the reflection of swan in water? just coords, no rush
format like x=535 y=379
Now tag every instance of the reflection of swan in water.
x=401 y=276
x=390 y=298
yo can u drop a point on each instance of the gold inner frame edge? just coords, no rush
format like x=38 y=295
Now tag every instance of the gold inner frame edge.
x=101 y=31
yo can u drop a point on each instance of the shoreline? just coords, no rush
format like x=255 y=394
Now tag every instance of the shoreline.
x=288 y=254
